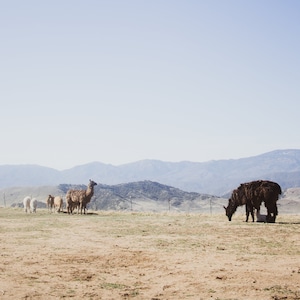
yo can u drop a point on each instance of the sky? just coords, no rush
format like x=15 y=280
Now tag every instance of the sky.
x=122 y=81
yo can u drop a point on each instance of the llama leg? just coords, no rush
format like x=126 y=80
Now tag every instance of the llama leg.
x=247 y=213
x=252 y=214
x=270 y=216
x=275 y=209
x=272 y=213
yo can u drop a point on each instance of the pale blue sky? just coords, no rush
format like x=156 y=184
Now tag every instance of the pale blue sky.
x=120 y=81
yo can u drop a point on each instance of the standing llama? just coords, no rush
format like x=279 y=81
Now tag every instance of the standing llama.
x=55 y=202
x=58 y=204
x=79 y=198
x=50 y=203
x=26 y=203
x=252 y=194
x=33 y=205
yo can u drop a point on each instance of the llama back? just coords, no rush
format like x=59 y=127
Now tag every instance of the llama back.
x=75 y=195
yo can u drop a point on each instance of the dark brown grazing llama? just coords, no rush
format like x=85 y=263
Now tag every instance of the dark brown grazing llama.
x=79 y=198
x=252 y=194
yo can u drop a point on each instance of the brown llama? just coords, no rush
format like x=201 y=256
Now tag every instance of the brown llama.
x=50 y=203
x=252 y=194
x=55 y=202
x=79 y=198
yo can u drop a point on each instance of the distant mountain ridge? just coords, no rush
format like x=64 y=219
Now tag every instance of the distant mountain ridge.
x=217 y=177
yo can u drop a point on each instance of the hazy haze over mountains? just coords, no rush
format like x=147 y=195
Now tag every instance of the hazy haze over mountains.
x=212 y=177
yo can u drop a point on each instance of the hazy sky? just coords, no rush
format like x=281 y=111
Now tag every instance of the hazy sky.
x=121 y=81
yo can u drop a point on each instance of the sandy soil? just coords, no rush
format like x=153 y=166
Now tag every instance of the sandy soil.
x=110 y=255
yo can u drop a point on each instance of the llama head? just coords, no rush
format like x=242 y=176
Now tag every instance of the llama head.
x=50 y=198
x=230 y=209
x=92 y=183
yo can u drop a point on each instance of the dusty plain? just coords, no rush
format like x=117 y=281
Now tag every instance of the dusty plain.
x=155 y=256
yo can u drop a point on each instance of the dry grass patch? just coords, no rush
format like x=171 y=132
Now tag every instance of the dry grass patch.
x=116 y=255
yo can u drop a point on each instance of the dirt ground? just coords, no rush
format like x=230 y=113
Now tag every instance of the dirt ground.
x=115 y=255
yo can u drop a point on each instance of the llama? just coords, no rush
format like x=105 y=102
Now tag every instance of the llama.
x=58 y=204
x=79 y=198
x=50 y=203
x=252 y=194
x=239 y=197
x=270 y=190
x=33 y=205
x=55 y=202
x=26 y=203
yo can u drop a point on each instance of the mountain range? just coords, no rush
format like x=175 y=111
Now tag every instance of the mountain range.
x=217 y=177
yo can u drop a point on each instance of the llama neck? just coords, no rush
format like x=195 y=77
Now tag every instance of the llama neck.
x=234 y=207
x=90 y=191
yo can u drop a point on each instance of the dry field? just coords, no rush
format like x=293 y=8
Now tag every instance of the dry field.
x=111 y=255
